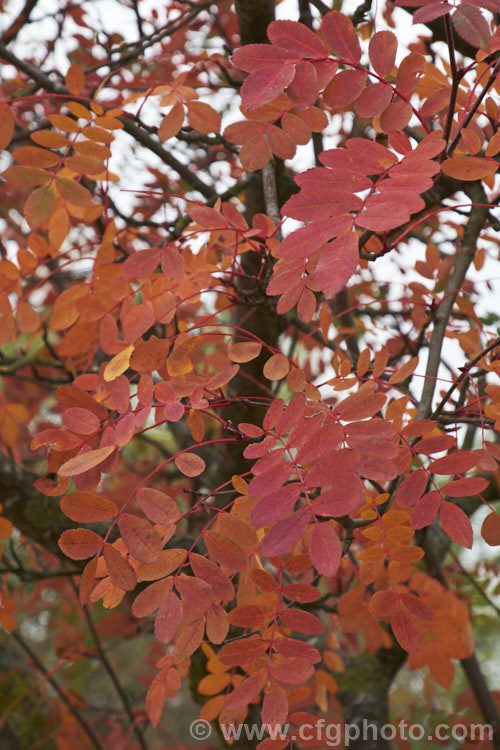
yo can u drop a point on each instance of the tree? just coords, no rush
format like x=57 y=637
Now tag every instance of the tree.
x=242 y=453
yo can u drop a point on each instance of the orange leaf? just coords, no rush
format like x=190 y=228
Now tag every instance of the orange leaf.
x=383 y=603
x=140 y=538
x=87 y=581
x=39 y=206
x=203 y=118
x=64 y=123
x=85 y=461
x=6 y=528
x=80 y=544
x=155 y=698
x=217 y=624
x=32 y=156
x=158 y=507
x=6 y=126
x=243 y=651
x=168 y=560
x=119 y=570
x=249 y=616
x=27 y=319
x=151 y=598
x=189 y=639
x=404 y=371
x=171 y=123
x=300 y=592
x=276 y=367
x=73 y=192
x=18 y=176
x=87 y=507
x=469 y=168
x=405 y=631
x=190 y=464
x=75 y=79
x=244 y=351
x=490 y=530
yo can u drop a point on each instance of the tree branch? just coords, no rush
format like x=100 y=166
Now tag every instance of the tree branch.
x=465 y=255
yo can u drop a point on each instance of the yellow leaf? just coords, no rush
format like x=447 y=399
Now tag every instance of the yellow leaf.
x=118 y=364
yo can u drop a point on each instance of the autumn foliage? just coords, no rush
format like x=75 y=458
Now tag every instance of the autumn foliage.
x=268 y=438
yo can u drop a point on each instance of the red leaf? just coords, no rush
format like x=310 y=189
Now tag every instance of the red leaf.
x=168 y=618
x=286 y=534
x=274 y=706
x=79 y=544
x=405 y=631
x=213 y=575
x=119 y=570
x=382 y=52
x=276 y=505
x=302 y=92
x=375 y=98
x=456 y=524
x=140 y=538
x=140 y=264
x=294 y=647
x=291 y=670
x=325 y=549
x=490 y=529
x=246 y=691
x=294 y=36
x=429 y=13
x=243 y=651
x=345 y=88
x=254 y=56
x=417 y=608
x=195 y=592
x=425 y=511
x=302 y=622
x=81 y=421
x=265 y=85
x=341 y=36
x=464 y=487
x=338 y=262
x=454 y=463
x=158 y=506
x=190 y=464
x=411 y=488
x=472 y=26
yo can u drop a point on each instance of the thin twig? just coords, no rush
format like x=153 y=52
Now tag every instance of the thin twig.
x=462 y=378
x=111 y=673
x=61 y=695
